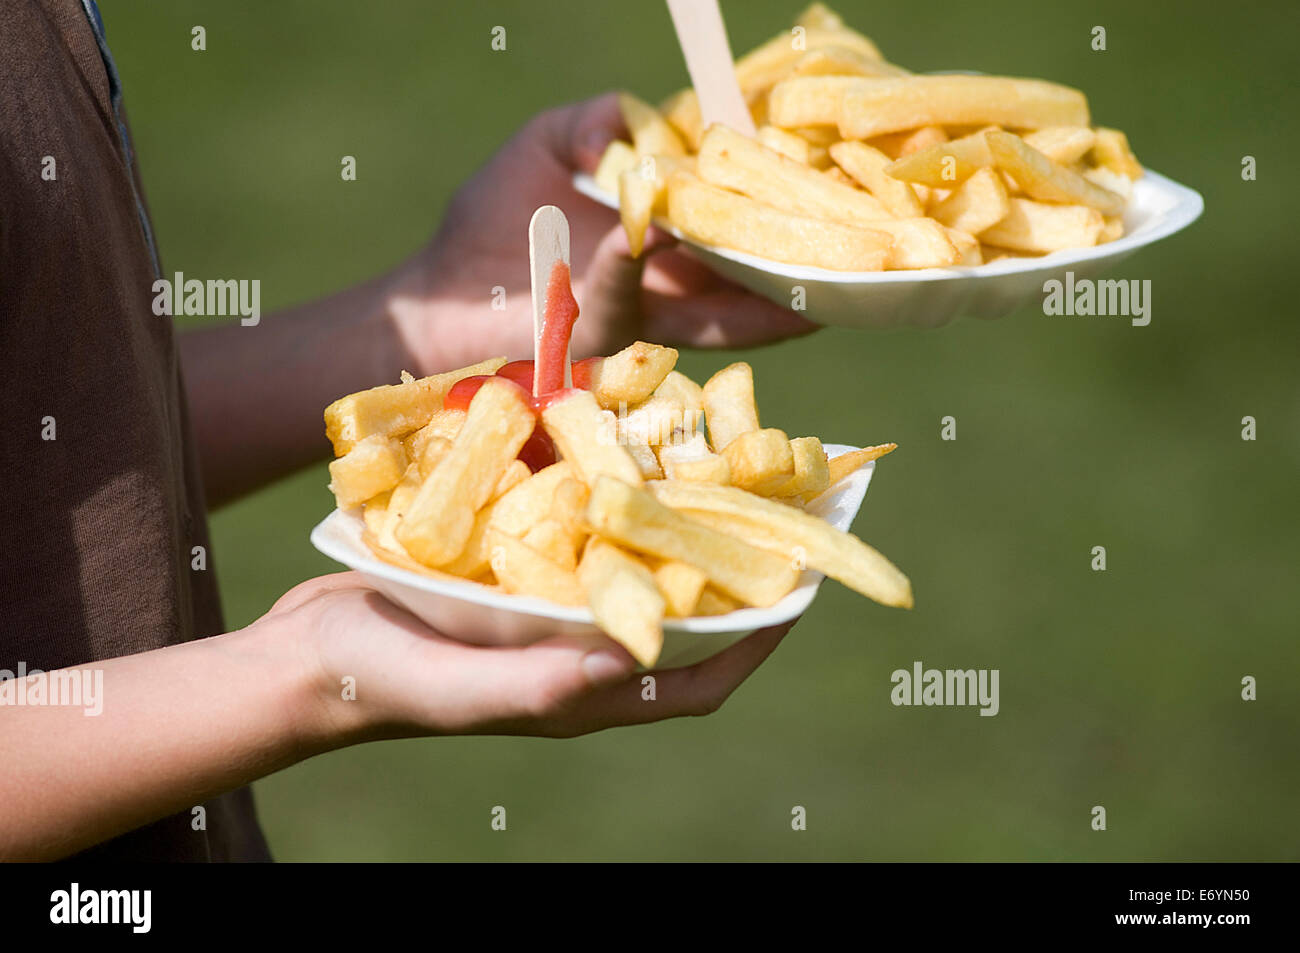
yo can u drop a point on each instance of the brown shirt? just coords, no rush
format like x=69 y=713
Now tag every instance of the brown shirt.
x=99 y=523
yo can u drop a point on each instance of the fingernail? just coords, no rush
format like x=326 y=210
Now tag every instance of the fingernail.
x=604 y=667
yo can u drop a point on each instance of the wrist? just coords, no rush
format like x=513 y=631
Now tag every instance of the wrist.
x=411 y=309
x=315 y=712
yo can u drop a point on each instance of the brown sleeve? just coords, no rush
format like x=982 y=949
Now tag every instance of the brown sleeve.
x=97 y=525
x=97 y=519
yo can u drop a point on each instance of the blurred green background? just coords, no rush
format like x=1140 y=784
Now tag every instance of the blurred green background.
x=1119 y=688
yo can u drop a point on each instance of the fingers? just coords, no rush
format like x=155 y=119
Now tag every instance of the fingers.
x=577 y=134
x=701 y=689
x=697 y=690
x=536 y=689
x=611 y=291
x=560 y=687
x=725 y=315
x=686 y=302
x=683 y=303
x=725 y=318
x=423 y=682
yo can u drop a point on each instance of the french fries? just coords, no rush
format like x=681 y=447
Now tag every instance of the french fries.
x=944 y=165
x=977 y=204
x=729 y=405
x=393 y=410
x=841 y=61
x=588 y=530
x=809 y=101
x=654 y=423
x=430 y=451
x=818 y=16
x=636 y=198
x=441 y=517
x=681 y=585
x=1043 y=179
x=625 y=600
x=711 y=469
x=680 y=388
x=1040 y=227
x=794 y=146
x=758 y=70
x=641 y=518
x=812 y=473
x=899 y=144
x=729 y=160
x=583 y=434
x=867 y=166
x=516 y=511
x=371 y=467
x=871 y=107
x=712 y=602
x=718 y=217
x=682 y=110
x=520 y=508
x=443 y=425
x=760 y=461
x=837 y=468
x=618 y=158
x=561 y=534
x=1110 y=150
x=859 y=165
x=1063 y=144
x=693 y=460
x=651 y=133
x=392 y=510
x=646 y=460
x=631 y=375
x=524 y=571
x=784 y=530
x=631 y=517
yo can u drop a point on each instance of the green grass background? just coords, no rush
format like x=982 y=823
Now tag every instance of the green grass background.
x=1118 y=688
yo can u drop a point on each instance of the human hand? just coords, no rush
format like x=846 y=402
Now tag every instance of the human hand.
x=443 y=305
x=411 y=680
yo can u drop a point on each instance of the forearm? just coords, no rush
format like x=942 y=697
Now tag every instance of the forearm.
x=178 y=726
x=256 y=393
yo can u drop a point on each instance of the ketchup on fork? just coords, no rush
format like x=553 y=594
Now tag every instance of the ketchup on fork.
x=558 y=317
x=542 y=383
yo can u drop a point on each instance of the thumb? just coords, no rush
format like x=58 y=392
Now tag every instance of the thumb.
x=577 y=134
x=541 y=680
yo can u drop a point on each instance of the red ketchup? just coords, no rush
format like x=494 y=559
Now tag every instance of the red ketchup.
x=554 y=397
x=558 y=317
x=543 y=384
x=582 y=371
x=521 y=372
x=463 y=391
x=538 y=450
